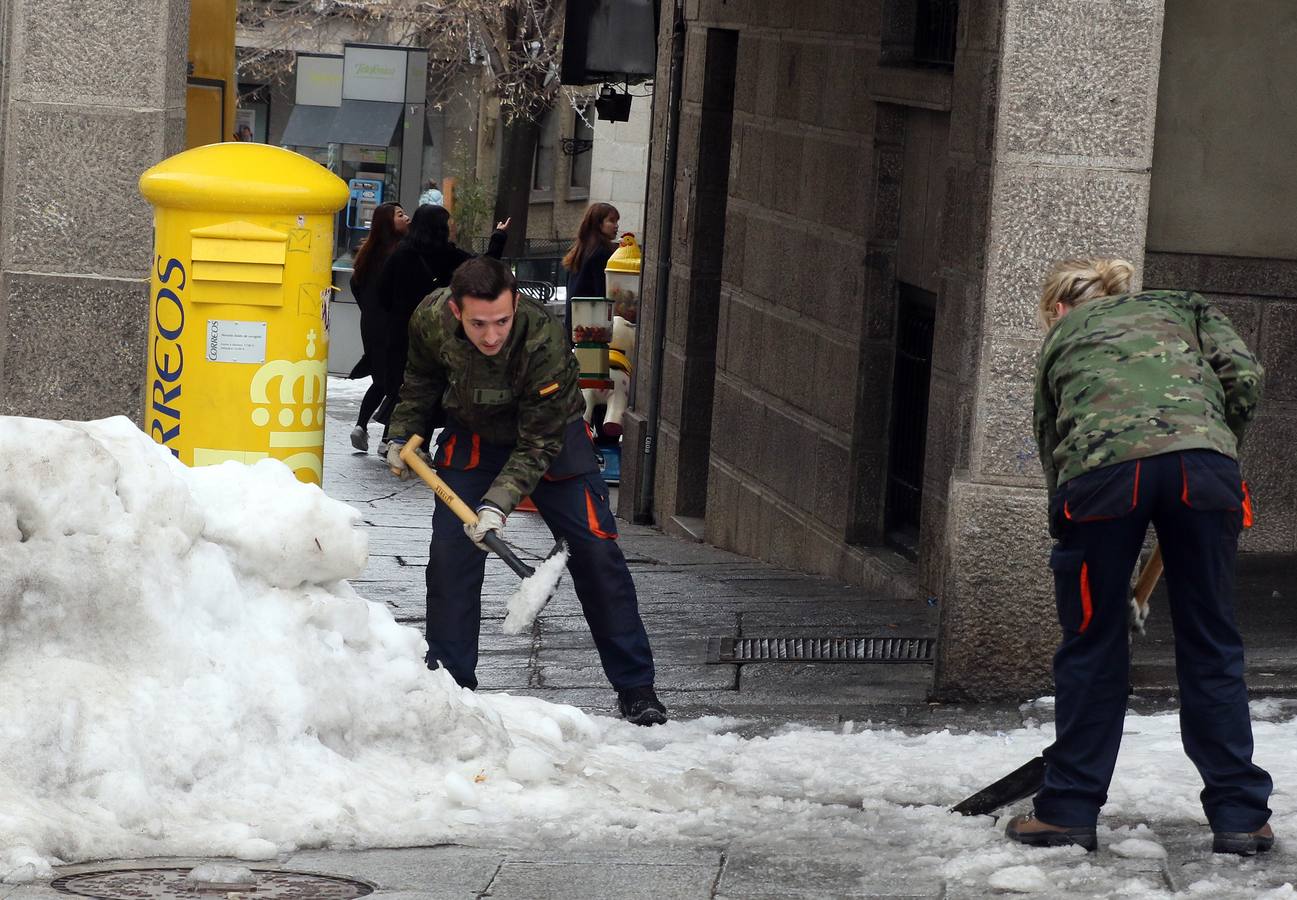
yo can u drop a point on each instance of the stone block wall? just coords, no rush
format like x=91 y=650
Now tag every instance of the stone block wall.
x=1073 y=144
x=791 y=295
x=619 y=169
x=805 y=325
x=76 y=237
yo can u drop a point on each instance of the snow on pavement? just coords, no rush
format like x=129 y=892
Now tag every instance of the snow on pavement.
x=185 y=671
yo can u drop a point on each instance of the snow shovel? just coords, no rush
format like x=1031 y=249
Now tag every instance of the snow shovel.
x=538 y=585
x=1143 y=587
x=1026 y=780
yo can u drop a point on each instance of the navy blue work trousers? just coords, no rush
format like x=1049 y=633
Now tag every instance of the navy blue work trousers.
x=1196 y=502
x=575 y=508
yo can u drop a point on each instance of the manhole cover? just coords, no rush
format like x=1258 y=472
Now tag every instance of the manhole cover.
x=848 y=650
x=169 y=884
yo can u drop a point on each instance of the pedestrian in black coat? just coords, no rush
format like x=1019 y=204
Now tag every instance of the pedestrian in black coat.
x=423 y=261
x=386 y=228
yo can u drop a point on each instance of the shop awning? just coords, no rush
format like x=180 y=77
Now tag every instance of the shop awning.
x=309 y=126
x=371 y=123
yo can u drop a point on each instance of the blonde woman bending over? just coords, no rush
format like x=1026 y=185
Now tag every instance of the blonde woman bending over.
x=1141 y=404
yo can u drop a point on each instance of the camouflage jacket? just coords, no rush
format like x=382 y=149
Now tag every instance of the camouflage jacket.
x=1136 y=375
x=522 y=397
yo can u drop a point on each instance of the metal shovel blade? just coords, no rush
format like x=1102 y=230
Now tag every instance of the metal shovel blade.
x=1019 y=784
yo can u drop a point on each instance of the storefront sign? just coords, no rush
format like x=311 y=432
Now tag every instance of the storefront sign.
x=319 y=80
x=373 y=73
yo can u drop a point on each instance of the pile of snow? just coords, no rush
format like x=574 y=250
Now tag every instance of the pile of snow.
x=186 y=672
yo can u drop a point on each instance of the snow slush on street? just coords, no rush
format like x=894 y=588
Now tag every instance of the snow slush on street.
x=186 y=671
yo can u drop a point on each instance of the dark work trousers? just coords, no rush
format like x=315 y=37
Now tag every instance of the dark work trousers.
x=575 y=507
x=1197 y=503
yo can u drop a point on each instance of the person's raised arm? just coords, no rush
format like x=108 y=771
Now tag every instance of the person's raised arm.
x=495 y=248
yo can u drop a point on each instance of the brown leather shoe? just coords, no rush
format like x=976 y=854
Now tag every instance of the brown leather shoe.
x=1034 y=833
x=1243 y=843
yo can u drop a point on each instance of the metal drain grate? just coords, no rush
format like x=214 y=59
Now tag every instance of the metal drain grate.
x=848 y=650
x=169 y=884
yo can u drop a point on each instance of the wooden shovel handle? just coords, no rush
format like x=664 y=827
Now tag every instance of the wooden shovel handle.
x=439 y=487
x=459 y=507
x=1148 y=577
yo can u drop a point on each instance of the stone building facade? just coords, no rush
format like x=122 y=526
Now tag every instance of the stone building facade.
x=867 y=196
x=91 y=95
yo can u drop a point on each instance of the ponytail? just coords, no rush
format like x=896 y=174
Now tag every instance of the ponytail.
x=1077 y=281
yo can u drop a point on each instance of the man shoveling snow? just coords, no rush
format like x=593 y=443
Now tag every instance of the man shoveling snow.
x=497 y=370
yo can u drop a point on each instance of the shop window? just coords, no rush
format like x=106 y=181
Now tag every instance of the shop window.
x=582 y=153
x=542 y=175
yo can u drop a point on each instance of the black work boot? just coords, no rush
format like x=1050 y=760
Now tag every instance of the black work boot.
x=1243 y=843
x=1034 y=833
x=641 y=706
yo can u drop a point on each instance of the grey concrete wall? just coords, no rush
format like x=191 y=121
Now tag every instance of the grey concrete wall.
x=94 y=95
x=1073 y=147
x=1223 y=174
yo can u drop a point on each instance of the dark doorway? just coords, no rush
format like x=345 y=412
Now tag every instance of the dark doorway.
x=911 y=373
x=706 y=229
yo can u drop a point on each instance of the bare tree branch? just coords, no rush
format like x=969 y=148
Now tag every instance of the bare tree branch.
x=519 y=41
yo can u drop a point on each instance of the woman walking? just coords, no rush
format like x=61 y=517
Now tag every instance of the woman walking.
x=387 y=227
x=596 y=239
x=423 y=261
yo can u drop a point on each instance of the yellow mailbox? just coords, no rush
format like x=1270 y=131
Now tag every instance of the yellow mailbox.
x=239 y=312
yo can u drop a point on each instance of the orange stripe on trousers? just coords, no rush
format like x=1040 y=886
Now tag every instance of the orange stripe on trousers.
x=1087 y=609
x=592 y=518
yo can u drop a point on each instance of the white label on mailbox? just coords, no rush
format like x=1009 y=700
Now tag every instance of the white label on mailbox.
x=236 y=342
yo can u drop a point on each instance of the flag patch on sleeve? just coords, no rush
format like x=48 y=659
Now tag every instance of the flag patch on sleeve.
x=548 y=389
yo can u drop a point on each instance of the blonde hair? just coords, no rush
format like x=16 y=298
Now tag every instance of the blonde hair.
x=1076 y=281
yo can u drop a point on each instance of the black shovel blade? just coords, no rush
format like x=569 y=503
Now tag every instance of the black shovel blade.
x=1019 y=784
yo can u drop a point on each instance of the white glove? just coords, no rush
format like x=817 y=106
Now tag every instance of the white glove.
x=488 y=519
x=394 y=461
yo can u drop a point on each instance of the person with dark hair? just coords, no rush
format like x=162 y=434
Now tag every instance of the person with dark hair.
x=585 y=260
x=496 y=369
x=423 y=261
x=386 y=228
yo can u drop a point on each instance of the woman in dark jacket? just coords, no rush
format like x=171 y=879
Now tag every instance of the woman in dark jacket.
x=423 y=261
x=596 y=239
x=388 y=226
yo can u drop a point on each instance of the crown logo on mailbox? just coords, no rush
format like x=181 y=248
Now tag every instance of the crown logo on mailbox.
x=302 y=378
